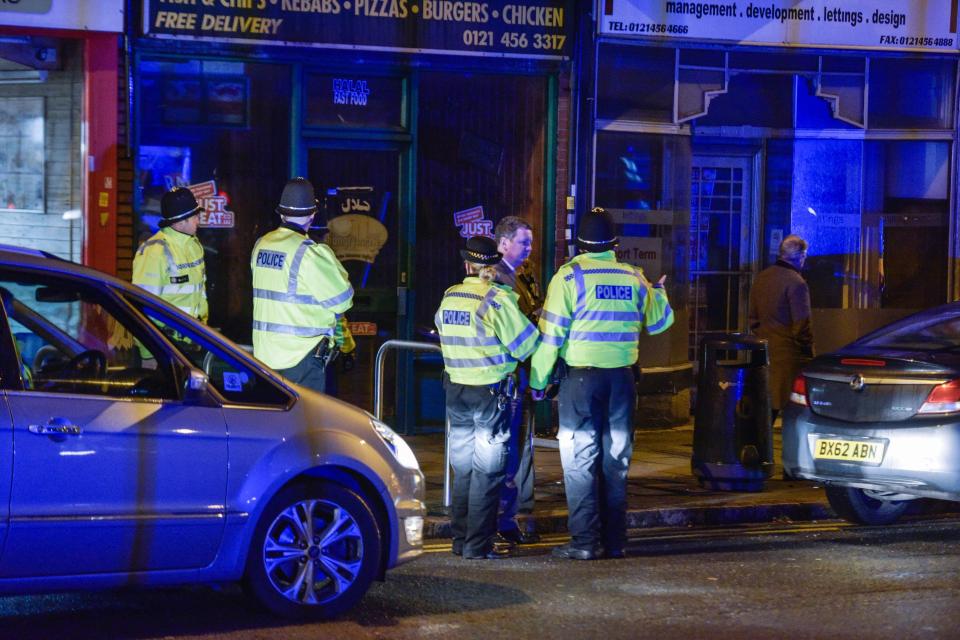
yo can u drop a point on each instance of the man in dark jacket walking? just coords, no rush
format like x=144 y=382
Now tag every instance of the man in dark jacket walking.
x=780 y=313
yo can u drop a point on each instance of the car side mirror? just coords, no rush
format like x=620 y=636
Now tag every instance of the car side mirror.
x=195 y=387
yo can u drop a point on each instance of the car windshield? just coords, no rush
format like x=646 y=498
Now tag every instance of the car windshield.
x=939 y=332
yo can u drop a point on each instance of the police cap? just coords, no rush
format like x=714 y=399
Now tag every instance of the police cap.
x=297 y=199
x=176 y=205
x=481 y=250
x=596 y=231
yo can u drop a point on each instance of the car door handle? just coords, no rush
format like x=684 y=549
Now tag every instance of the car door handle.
x=55 y=429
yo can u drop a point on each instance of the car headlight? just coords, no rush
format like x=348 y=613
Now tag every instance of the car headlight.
x=401 y=450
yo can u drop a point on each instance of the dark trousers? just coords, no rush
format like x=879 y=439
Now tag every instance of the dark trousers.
x=596 y=443
x=309 y=372
x=479 y=431
x=517 y=493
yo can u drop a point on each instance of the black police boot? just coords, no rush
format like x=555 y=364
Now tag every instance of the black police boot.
x=517 y=536
x=569 y=552
x=501 y=549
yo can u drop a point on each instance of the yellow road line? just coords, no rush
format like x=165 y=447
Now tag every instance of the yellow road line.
x=660 y=534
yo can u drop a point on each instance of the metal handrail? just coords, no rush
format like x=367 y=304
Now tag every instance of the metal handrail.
x=410 y=345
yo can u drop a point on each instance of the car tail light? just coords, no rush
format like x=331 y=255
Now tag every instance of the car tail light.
x=863 y=362
x=798 y=394
x=945 y=398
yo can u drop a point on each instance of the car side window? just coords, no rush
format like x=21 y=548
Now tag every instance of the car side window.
x=231 y=377
x=70 y=339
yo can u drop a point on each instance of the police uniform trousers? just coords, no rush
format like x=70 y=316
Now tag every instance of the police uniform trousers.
x=517 y=493
x=596 y=443
x=479 y=430
x=309 y=372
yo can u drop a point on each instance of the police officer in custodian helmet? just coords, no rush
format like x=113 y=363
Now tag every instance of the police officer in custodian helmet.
x=592 y=317
x=170 y=263
x=300 y=290
x=483 y=335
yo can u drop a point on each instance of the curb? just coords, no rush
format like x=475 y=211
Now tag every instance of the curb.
x=438 y=526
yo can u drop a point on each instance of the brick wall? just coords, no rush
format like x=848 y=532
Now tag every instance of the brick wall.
x=563 y=166
x=125 y=239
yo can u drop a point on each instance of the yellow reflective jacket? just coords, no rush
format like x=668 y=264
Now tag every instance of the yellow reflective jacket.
x=483 y=333
x=300 y=290
x=593 y=314
x=170 y=265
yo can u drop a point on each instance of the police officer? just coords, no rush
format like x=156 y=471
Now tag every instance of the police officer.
x=592 y=317
x=483 y=335
x=300 y=290
x=170 y=263
x=514 y=238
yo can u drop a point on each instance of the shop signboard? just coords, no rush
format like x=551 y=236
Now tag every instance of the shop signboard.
x=646 y=253
x=903 y=25
x=84 y=15
x=502 y=28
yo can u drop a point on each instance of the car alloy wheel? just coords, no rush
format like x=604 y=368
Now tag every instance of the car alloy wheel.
x=315 y=552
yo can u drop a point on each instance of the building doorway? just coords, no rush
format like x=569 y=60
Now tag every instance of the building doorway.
x=366 y=220
x=722 y=243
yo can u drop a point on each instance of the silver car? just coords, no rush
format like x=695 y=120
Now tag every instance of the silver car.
x=142 y=448
x=879 y=421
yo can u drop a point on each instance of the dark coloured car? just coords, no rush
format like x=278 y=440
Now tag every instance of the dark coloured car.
x=139 y=447
x=878 y=422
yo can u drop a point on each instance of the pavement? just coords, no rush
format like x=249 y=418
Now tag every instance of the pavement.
x=661 y=490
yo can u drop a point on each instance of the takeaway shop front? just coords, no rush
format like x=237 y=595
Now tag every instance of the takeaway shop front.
x=721 y=127
x=425 y=122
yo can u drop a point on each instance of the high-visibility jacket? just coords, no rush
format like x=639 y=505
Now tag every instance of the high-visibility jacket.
x=593 y=315
x=483 y=334
x=300 y=290
x=170 y=265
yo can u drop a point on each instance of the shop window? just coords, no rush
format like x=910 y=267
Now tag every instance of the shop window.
x=222 y=129
x=350 y=99
x=757 y=100
x=911 y=94
x=813 y=189
x=643 y=180
x=769 y=61
x=635 y=83
x=480 y=157
x=41 y=176
x=906 y=213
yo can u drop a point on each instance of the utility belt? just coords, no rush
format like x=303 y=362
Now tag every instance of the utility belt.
x=327 y=351
x=635 y=368
x=506 y=391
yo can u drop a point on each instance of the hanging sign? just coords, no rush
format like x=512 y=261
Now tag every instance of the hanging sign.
x=472 y=223
x=504 y=28
x=214 y=214
x=907 y=25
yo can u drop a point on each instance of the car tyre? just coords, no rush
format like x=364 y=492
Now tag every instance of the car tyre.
x=854 y=505
x=314 y=553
